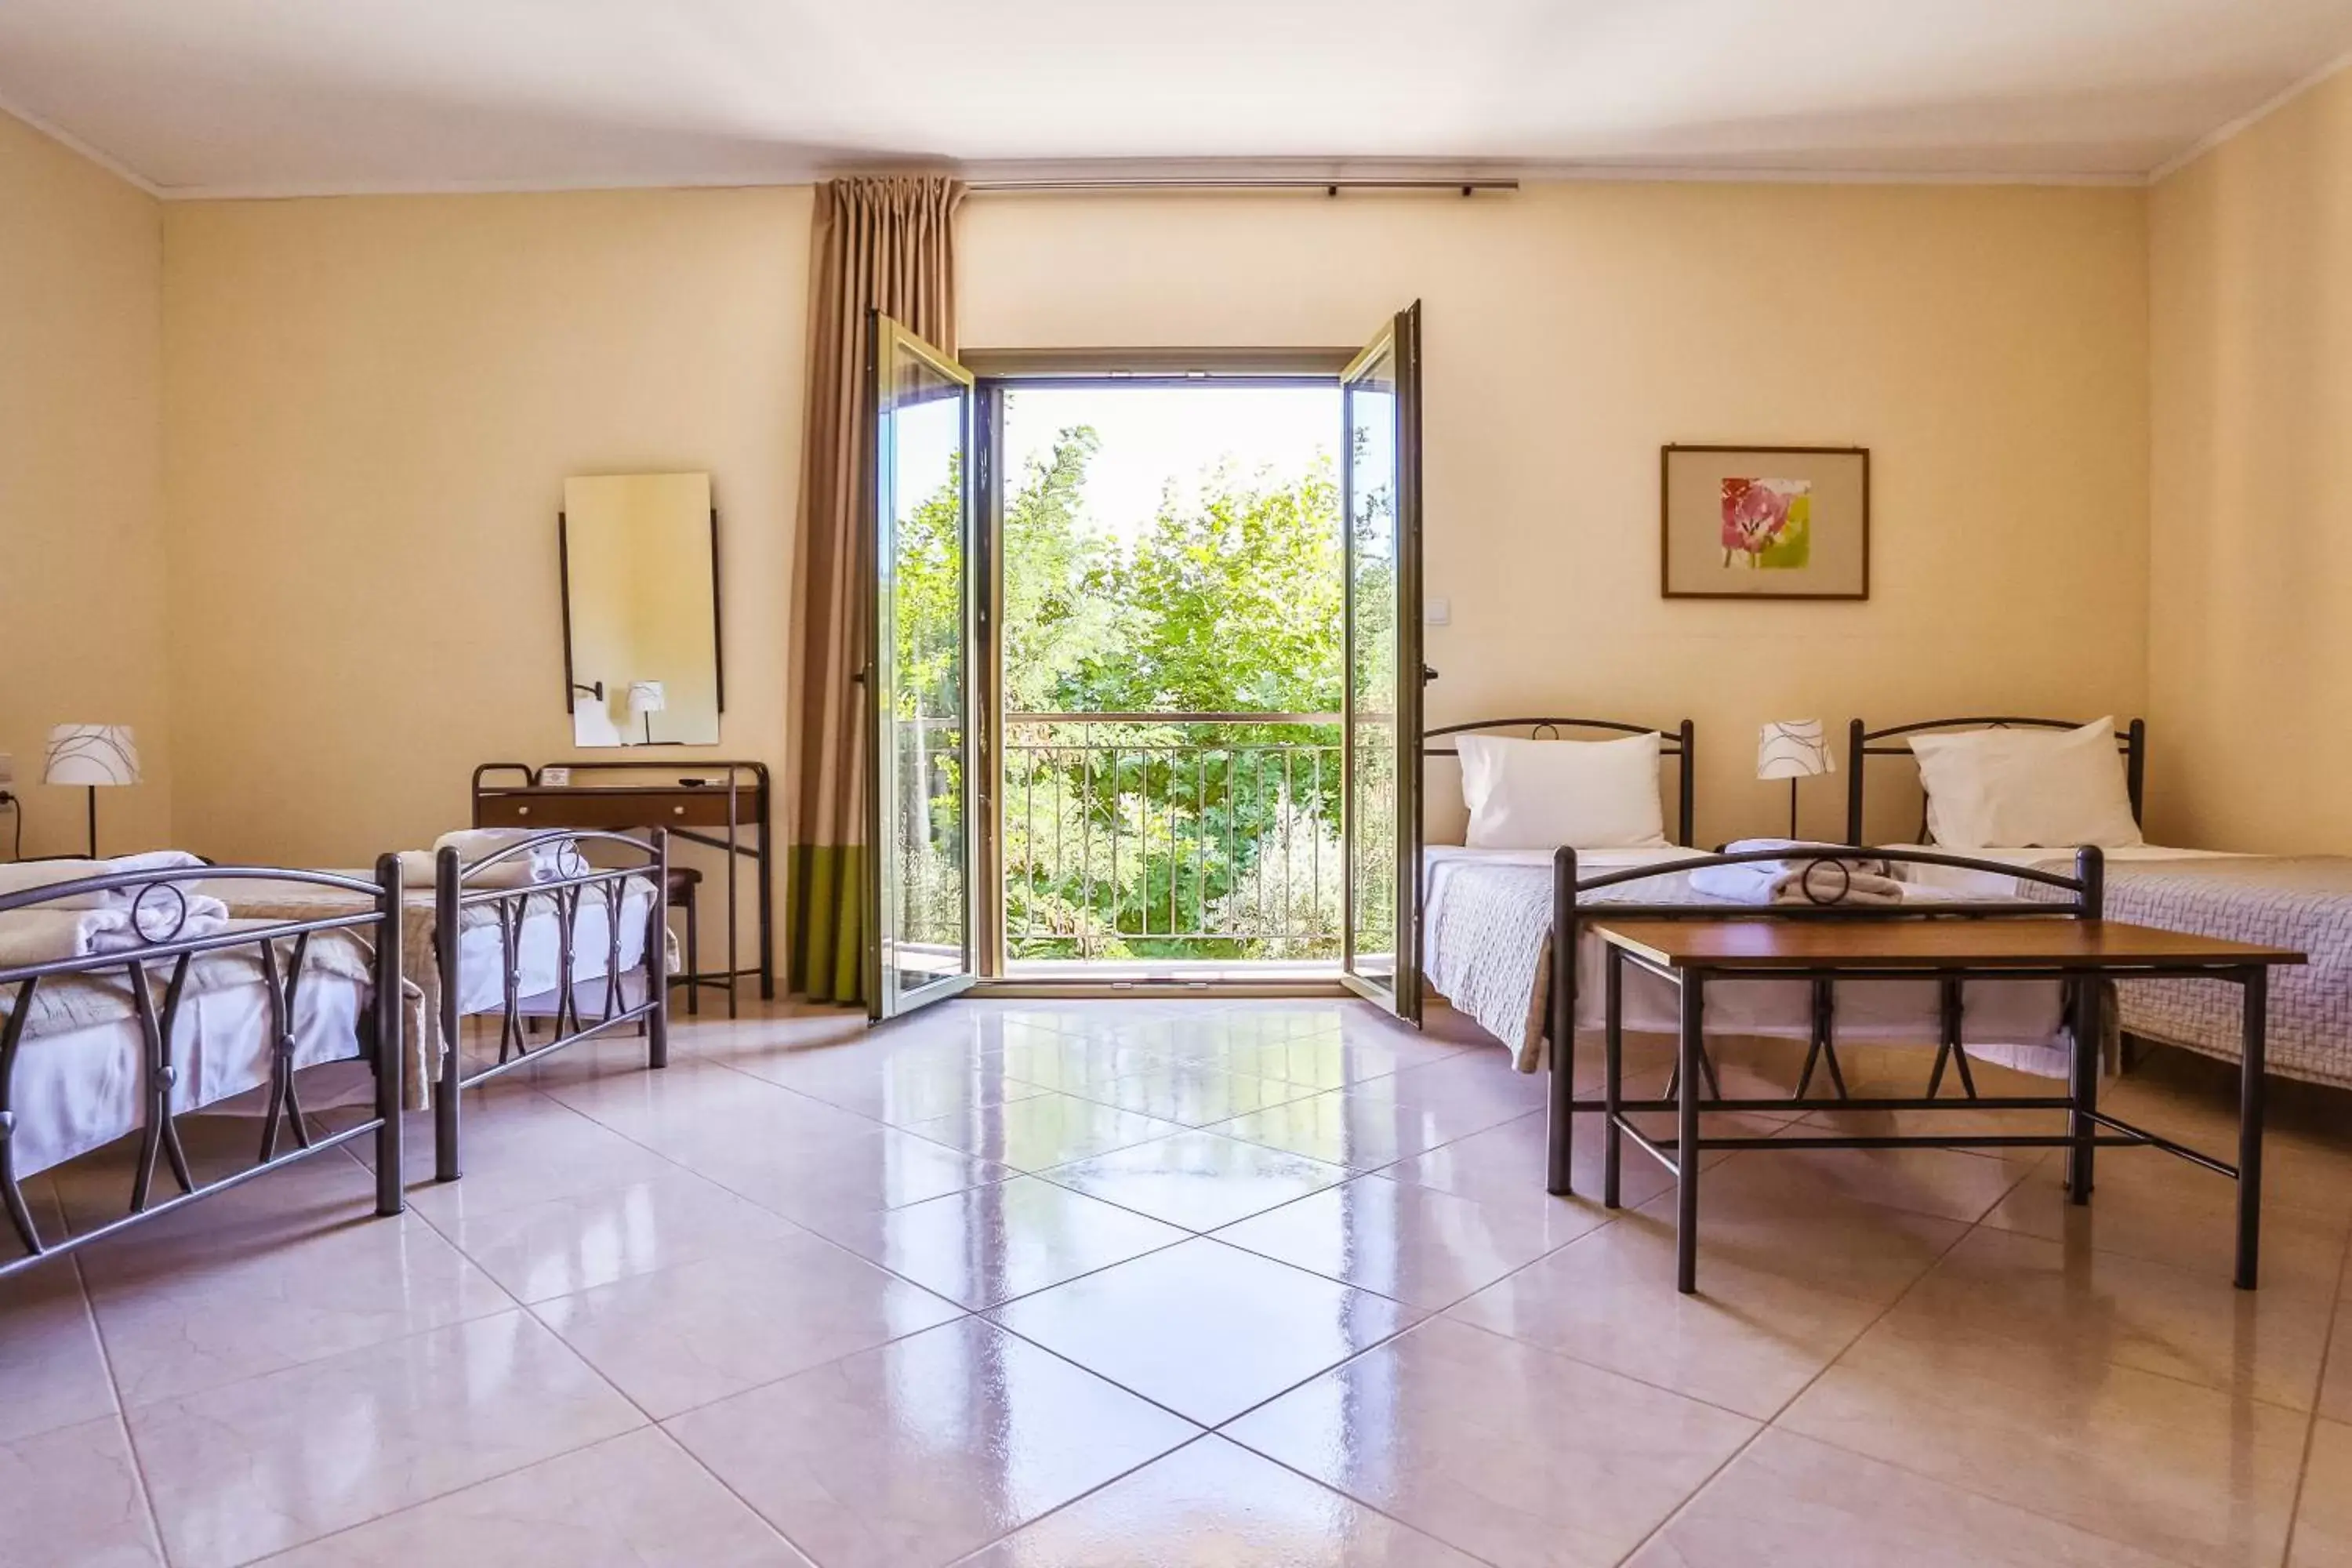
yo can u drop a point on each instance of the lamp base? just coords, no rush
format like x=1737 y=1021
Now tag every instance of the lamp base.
x=1793 y=808
x=93 y=821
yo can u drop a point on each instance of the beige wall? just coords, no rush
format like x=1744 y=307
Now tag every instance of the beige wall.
x=82 y=604
x=1989 y=345
x=2251 y=517
x=373 y=406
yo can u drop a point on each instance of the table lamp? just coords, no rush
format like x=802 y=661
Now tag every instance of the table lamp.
x=94 y=756
x=1793 y=749
x=645 y=699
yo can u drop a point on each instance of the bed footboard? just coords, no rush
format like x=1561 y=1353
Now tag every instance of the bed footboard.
x=482 y=886
x=142 y=934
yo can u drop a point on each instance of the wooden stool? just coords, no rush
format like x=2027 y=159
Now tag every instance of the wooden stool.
x=684 y=881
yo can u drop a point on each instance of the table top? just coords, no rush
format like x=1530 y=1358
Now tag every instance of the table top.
x=1751 y=944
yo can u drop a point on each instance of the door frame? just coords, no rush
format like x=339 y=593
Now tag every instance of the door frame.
x=884 y=338
x=1400 y=339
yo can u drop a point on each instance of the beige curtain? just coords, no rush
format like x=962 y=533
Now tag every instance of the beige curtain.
x=887 y=245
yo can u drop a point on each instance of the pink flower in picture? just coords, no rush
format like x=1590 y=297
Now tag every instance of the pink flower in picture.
x=1766 y=521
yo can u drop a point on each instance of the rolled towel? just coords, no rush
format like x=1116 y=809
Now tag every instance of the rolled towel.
x=25 y=875
x=1799 y=879
x=52 y=935
x=546 y=862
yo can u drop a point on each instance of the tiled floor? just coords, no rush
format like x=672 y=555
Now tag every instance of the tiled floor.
x=1026 y=1285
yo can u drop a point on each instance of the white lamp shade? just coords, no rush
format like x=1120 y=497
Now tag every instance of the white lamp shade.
x=645 y=696
x=1793 y=749
x=92 y=754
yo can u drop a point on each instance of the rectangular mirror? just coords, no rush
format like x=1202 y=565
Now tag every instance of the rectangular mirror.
x=640 y=557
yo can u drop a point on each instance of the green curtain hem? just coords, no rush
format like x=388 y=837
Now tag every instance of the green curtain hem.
x=825 y=922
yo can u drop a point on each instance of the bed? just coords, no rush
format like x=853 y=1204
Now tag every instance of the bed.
x=529 y=933
x=2301 y=902
x=127 y=1000
x=1488 y=915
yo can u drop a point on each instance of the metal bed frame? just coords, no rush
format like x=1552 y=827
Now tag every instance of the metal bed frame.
x=458 y=888
x=168 y=955
x=1676 y=741
x=2078 y=896
x=2131 y=740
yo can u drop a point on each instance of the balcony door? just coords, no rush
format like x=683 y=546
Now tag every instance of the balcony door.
x=1380 y=740
x=919 y=677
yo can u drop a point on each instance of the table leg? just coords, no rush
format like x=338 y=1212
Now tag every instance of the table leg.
x=2256 y=983
x=2083 y=1088
x=1694 y=1014
x=1613 y=1068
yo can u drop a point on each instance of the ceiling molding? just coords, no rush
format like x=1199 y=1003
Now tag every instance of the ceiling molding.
x=75 y=144
x=1175 y=171
x=2246 y=122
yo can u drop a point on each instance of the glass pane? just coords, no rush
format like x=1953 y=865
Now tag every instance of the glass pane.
x=924 y=518
x=1375 y=817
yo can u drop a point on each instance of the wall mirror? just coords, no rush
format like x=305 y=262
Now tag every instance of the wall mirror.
x=640 y=567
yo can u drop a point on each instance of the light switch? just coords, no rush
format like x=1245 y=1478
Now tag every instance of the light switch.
x=1436 y=612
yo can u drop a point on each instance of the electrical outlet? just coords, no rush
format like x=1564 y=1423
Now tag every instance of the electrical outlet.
x=7 y=771
x=1436 y=612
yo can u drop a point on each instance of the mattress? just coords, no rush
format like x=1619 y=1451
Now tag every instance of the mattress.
x=1486 y=946
x=1988 y=884
x=2300 y=902
x=79 y=1079
x=481 y=968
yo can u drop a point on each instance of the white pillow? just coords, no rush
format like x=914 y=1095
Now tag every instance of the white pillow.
x=1543 y=795
x=2027 y=788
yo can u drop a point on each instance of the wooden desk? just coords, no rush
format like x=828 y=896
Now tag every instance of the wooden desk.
x=2079 y=953
x=718 y=814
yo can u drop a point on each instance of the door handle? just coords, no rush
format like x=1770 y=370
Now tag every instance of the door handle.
x=1428 y=674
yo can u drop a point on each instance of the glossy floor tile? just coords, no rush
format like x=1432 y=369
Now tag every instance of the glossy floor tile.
x=71 y=1497
x=1790 y=1502
x=1212 y=1504
x=1013 y=1284
x=235 y=1473
x=1009 y=1239
x=1205 y=1328
x=636 y=1501
x=1198 y=1179
x=1414 y=1244
x=1511 y=1453
x=684 y=1336
x=924 y=1450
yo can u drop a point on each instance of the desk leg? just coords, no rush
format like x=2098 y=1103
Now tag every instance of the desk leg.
x=2251 y=1087
x=1689 y=1054
x=2083 y=1088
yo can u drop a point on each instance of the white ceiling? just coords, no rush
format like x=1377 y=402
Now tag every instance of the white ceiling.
x=284 y=96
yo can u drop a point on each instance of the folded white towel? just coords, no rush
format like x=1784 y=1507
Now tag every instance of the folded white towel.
x=25 y=875
x=1841 y=879
x=546 y=862
x=52 y=935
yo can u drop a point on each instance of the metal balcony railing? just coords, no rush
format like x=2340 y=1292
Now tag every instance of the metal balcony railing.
x=1171 y=834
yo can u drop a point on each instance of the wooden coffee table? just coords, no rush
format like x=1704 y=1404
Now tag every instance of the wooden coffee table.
x=1691 y=952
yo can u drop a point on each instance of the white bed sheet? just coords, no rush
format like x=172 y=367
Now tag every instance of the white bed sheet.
x=78 y=1087
x=2018 y=1024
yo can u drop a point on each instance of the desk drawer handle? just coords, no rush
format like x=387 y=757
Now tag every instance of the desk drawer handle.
x=522 y=810
x=677 y=811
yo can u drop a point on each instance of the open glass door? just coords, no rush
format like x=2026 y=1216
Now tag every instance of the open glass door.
x=1381 y=746
x=919 y=819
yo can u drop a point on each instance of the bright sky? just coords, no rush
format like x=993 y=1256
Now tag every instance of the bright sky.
x=1153 y=434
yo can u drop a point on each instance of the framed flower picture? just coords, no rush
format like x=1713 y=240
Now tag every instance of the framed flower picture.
x=1765 y=522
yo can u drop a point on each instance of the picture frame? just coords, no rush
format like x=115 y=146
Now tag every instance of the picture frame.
x=1763 y=522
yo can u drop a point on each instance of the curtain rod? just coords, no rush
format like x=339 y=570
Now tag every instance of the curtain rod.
x=1330 y=187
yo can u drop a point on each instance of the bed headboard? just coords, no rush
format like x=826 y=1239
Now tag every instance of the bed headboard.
x=1674 y=741
x=2131 y=740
